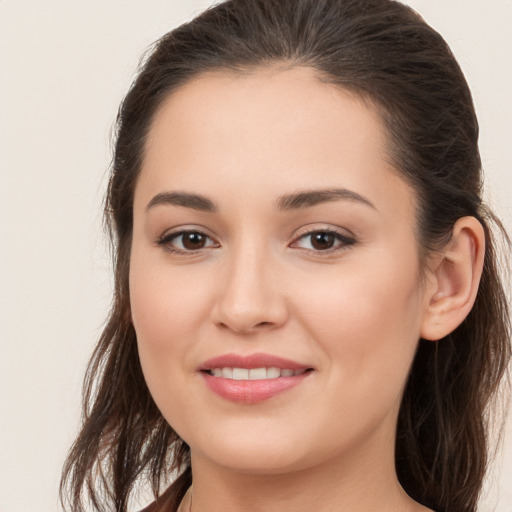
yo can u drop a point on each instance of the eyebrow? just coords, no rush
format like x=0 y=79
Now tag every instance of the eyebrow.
x=194 y=201
x=307 y=198
x=297 y=200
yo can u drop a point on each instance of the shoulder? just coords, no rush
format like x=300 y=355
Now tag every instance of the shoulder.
x=171 y=499
x=163 y=503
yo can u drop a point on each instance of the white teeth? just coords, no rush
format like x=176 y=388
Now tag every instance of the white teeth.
x=254 y=373
x=227 y=373
x=273 y=373
x=240 y=374
x=257 y=373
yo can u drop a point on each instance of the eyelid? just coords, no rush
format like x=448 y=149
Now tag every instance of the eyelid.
x=169 y=235
x=347 y=239
x=323 y=227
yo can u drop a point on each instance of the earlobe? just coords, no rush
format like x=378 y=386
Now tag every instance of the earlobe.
x=455 y=278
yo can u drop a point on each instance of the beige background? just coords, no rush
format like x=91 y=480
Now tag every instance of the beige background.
x=64 y=67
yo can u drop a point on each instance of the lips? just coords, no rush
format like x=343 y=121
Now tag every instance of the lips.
x=253 y=378
x=259 y=360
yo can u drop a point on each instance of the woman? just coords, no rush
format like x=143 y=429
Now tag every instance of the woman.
x=308 y=311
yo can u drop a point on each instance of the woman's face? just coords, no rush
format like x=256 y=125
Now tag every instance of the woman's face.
x=271 y=234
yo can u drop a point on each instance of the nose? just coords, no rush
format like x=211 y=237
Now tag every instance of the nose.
x=250 y=297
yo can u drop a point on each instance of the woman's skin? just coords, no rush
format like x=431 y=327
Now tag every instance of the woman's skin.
x=275 y=155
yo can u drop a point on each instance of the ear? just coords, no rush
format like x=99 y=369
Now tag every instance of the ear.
x=454 y=279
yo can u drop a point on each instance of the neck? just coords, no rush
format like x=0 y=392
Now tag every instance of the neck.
x=350 y=482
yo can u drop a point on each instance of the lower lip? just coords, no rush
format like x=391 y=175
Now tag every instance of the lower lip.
x=251 y=391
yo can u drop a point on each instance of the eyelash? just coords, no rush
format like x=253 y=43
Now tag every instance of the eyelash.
x=343 y=241
x=166 y=239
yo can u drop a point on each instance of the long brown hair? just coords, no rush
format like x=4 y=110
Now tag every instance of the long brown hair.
x=381 y=50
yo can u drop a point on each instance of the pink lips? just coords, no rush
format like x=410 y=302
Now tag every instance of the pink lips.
x=251 y=391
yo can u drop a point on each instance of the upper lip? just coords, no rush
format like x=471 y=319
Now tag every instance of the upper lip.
x=259 y=360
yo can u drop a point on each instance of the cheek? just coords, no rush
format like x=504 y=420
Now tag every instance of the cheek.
x=168 y=309
x=367 y=320
x=167 y=312
x=167 y=304
x=368 y=299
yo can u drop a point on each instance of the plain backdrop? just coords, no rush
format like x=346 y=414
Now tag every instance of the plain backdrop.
x=64 y=67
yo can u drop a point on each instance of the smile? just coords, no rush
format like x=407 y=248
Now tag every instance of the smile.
x=254 y=378
x=254 y=373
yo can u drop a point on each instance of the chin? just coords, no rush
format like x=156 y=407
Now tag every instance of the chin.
x=253 y=454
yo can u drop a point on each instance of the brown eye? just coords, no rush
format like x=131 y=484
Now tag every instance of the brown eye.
x=187 y=241
x=322 y=240
x=193 y=241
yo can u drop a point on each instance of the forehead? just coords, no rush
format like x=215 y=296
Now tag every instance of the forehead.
x=279 y=128
x=274 y=105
